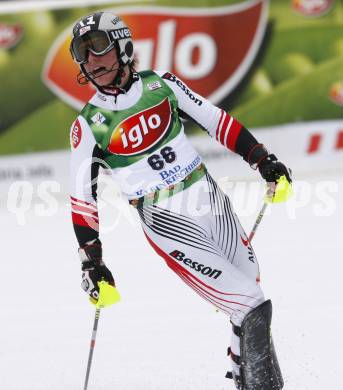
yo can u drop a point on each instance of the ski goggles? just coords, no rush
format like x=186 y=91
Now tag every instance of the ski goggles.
x=98 y=42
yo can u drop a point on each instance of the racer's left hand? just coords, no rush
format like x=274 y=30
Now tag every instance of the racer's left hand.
x=271 y=169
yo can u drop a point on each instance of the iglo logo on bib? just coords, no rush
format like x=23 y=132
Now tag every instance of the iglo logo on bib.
x=141 y=131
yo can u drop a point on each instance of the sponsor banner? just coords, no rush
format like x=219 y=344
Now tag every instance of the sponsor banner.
x=188 y=42
x=305 y=147
x=34 y=167
x=10 y=35
x=312 y=8
x=268 y=63
x=32 y=175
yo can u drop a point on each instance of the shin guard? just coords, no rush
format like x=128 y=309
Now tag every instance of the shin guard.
x=259 y=368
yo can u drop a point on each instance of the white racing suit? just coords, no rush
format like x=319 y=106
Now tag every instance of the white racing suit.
x=138 y=136
x=201 y=239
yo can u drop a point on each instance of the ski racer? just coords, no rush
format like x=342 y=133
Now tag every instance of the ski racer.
x=132 y=127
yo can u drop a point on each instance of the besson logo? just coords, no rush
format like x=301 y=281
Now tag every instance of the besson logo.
x=141 y=131
x=189 y=42
x=76 y=134
x=198 y=267
x=312 y=7
x=10 y=35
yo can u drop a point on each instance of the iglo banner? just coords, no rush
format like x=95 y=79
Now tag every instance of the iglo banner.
x=267 y=63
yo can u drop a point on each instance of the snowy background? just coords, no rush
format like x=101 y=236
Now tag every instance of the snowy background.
x=162 y=336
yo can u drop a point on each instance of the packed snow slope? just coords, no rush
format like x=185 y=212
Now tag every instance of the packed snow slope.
x=162 y=336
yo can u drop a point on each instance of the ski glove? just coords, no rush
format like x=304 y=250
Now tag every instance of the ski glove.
x=94 y=269
x=271 y=169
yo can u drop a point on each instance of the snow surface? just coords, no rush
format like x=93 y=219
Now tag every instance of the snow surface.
x=162 y=336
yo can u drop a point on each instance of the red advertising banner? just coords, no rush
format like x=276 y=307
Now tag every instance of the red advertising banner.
x=312 y=8
x=211 y=49
x=266 y=62
x=10 y=35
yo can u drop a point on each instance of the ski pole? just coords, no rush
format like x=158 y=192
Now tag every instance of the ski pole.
x=253 y=231
x=92 y=345
x=258 y=220
x=108 y=295
x=277 y=192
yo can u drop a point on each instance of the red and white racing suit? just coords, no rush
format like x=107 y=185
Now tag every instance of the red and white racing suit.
x=194 y=229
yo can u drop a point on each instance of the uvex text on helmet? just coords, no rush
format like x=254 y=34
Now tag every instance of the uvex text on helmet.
x=117 y=30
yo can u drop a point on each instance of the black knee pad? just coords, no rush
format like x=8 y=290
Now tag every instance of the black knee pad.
x=259 y=366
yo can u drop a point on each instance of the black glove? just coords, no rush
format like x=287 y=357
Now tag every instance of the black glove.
x=94 y=269
x=271 y=169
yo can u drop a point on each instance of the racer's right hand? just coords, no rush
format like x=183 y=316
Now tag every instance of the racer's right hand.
x=94 y=269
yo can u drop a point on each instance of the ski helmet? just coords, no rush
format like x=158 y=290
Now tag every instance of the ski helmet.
x=99 y=33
